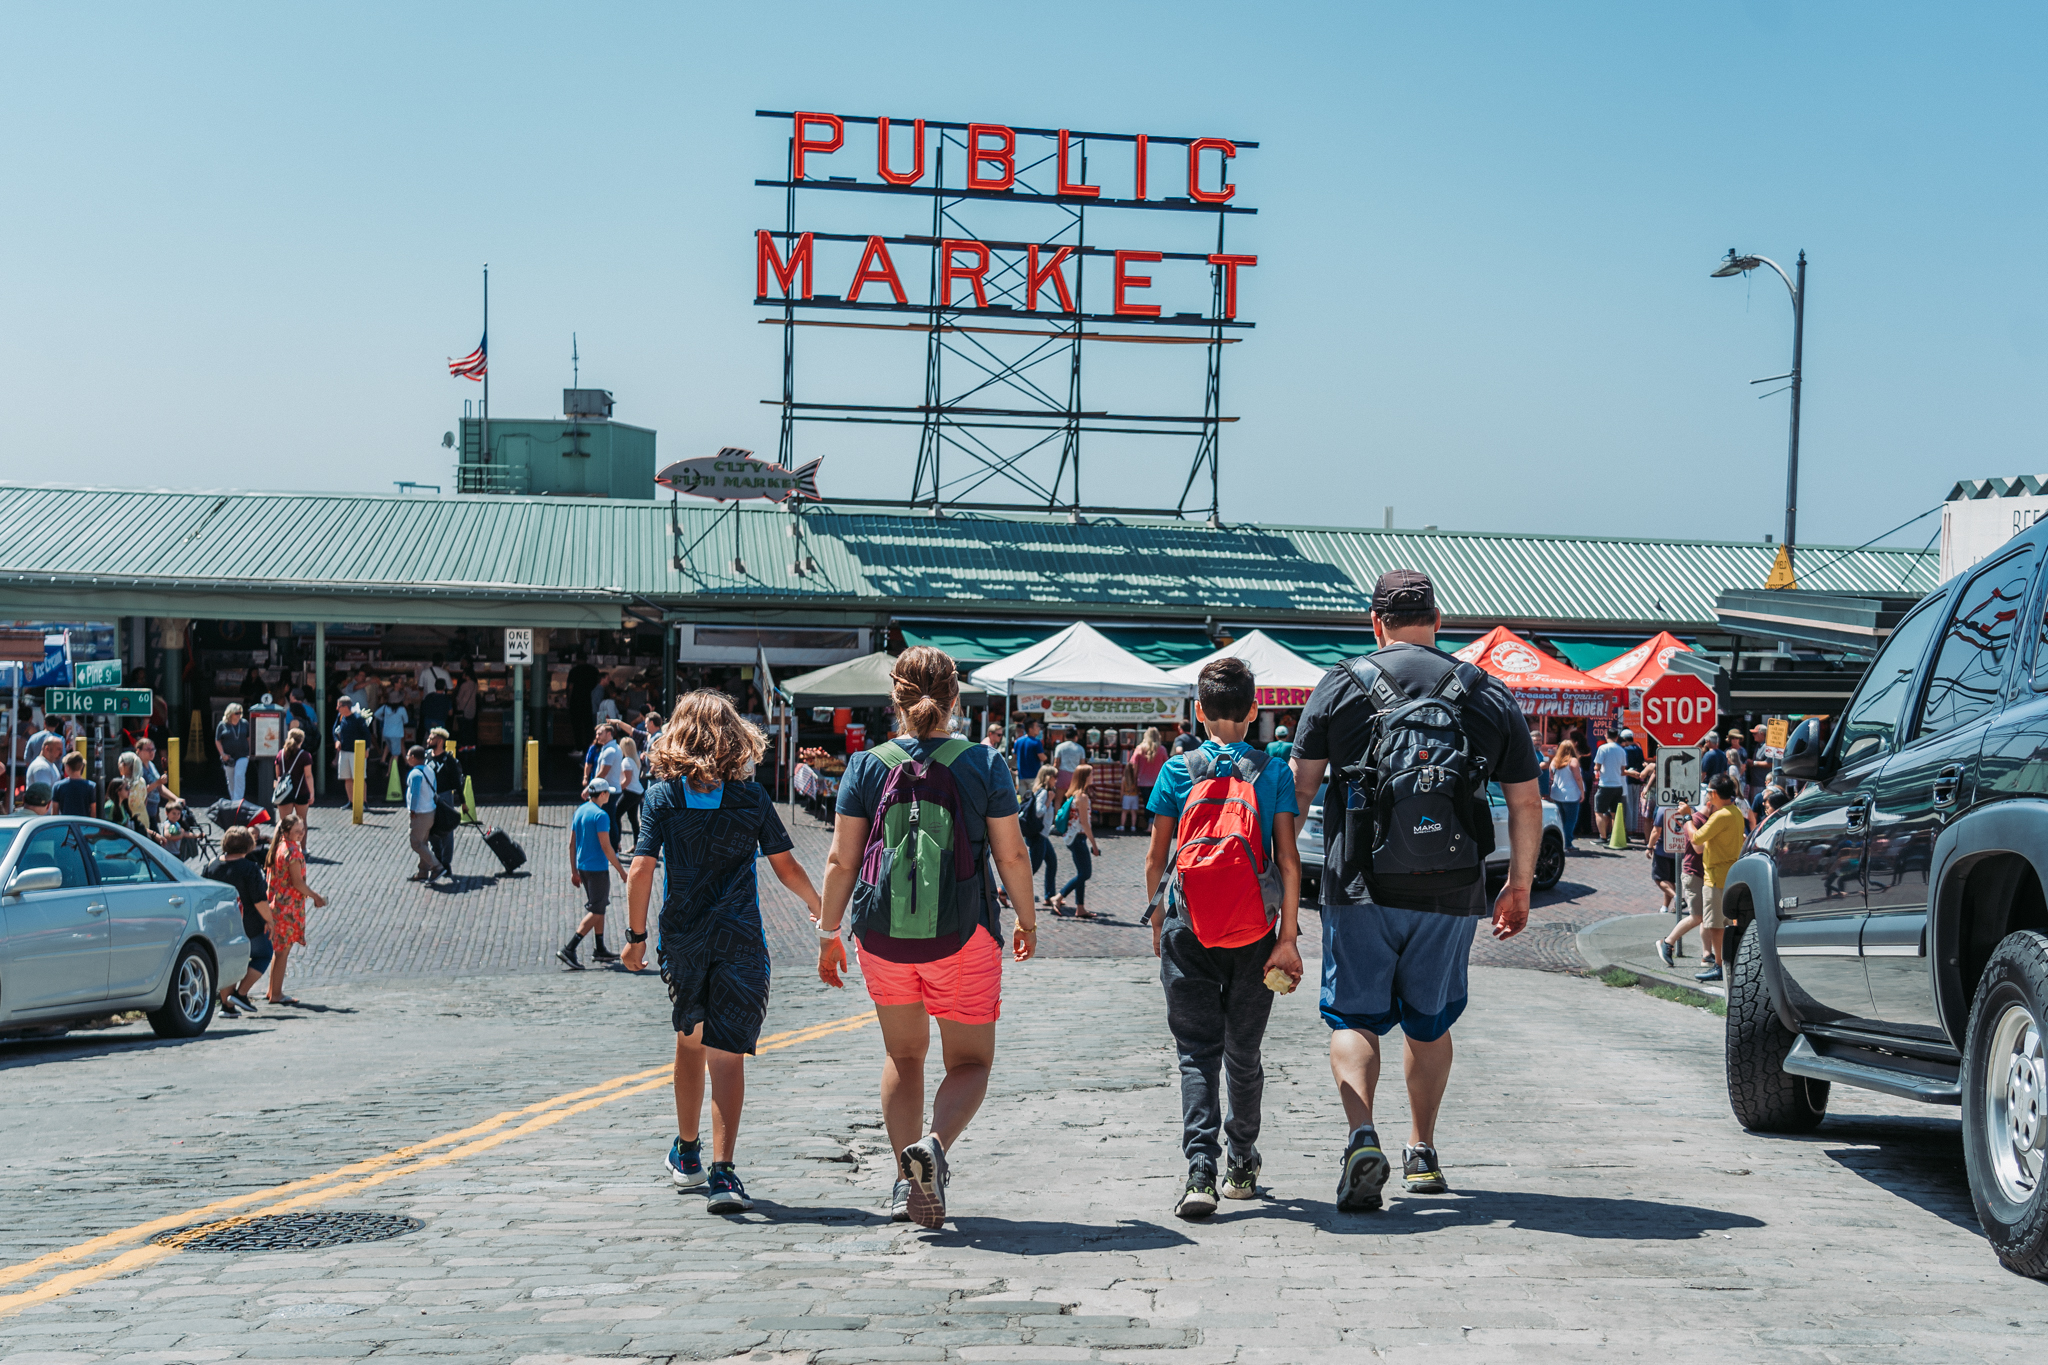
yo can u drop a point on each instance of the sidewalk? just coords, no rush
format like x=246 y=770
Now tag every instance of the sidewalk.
x=1630 y=941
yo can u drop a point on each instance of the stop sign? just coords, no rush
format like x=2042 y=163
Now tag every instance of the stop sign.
x=1679 y=710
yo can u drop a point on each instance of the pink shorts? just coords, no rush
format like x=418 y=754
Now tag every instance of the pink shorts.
x=966 y=987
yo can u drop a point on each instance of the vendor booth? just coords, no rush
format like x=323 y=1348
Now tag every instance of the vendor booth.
x=1081 y=680
x=1548 y=690
x=840 y=710
x=1284 y=679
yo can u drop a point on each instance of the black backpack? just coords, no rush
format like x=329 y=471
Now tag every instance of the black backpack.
x=1030 y=819
x=1416 y=816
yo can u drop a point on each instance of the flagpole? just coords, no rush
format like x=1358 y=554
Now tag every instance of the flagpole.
x=487 y=363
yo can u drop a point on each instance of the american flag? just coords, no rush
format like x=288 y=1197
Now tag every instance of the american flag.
x=472 y=365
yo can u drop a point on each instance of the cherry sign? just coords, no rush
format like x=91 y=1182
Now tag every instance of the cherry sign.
x=1679 y=710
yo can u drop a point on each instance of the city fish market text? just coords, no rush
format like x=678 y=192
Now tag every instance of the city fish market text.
x=733 y=475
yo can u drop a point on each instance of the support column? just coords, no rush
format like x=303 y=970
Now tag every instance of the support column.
x=319 y=741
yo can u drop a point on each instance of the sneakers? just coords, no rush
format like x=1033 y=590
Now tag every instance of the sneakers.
x=1241 y=1178
x=899 y=1202
x=228 y=1010
x=685 y=1164
x=1198 y=1200
x=1664 y=953
x=1365 y=1172
x=1421 y=1172
x=727 y=1194
x=242 y=1001
x=1712 y=973
x=923 y=1164
x=600 y=955
x=566 y=955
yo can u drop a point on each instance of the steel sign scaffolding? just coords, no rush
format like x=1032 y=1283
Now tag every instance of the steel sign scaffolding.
x=1003 y=406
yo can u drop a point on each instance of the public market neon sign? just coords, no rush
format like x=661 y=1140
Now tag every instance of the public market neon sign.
x=964 y=264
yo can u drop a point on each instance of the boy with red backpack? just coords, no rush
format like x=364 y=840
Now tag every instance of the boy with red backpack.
x=1225 y=813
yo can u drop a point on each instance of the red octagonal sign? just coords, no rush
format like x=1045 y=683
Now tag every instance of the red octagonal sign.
x=1679 y=710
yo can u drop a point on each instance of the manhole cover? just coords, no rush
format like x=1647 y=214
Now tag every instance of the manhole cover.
x=289 y=1231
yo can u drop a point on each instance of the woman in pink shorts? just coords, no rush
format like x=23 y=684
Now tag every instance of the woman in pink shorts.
x=955 y=975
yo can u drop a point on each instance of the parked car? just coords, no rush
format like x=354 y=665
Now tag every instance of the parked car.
x=1891 y=931
x=94 y=921
x=1549 y=857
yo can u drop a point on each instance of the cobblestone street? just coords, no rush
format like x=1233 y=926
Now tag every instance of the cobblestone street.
x=1604 y=1200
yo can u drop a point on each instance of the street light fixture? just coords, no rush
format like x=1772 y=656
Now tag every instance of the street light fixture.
x=1734 y=264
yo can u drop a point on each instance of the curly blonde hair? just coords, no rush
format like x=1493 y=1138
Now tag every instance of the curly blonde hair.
x=706 y=742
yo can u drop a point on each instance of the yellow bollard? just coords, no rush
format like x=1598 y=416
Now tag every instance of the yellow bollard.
x=362 y=773
x=532 y=781
x=79 y=745
x=175 y=776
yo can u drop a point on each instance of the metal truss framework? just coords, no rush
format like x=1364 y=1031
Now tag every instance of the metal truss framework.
x=1003 y=382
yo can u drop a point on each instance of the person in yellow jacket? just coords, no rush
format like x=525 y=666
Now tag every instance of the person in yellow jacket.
x=1719 y=842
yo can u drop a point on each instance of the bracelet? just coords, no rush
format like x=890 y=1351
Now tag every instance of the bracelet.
x=827 y=935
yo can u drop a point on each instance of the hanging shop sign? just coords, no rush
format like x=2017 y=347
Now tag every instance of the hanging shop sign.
x=1138 y=175
x=1061 y=708
x=1556 y=701
x=1283 y=696
x=734 y=475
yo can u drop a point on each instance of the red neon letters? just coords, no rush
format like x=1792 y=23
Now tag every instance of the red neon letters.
x=1004 y=155
x=1127 y=281
x=1195 y=149
x=802 y=142
x=1036 y=275
x=767 y=261
x=1140 y=165
x=882 y=154
x=1073 y=187
x=877 y=268
x=1230 y=265
x=948 y=272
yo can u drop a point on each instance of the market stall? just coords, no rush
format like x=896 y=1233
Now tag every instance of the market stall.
x=1284 y=679
x=1082 y=680
x=1548 y=690
x=840 y=710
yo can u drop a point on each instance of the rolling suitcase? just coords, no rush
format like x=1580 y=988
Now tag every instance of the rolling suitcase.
x=505 y=847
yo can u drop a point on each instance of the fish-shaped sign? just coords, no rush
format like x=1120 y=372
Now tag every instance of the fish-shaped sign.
x=733 y=475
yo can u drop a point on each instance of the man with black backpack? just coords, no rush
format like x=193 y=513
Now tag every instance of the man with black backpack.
x=1415 y=736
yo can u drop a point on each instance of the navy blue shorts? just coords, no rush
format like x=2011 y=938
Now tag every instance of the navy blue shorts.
x=260 y=951
x=718 y=979
x=1383 y=967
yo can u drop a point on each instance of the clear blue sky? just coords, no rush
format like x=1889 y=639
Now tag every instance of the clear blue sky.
x=242 y=241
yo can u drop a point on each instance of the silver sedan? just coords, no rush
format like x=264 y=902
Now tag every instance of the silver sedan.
x=1549 y=856
x=94 y=921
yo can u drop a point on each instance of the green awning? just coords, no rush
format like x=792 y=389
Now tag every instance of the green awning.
x=1162 y=647
x=1332 y=647
x=973 y=645
x=1587 y=652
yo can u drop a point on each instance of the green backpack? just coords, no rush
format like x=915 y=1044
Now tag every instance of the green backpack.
x=918 y=855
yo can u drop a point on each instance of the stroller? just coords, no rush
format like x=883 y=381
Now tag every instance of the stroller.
x=225 y=814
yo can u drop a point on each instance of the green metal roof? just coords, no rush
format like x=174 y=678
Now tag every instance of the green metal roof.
x=547 y=561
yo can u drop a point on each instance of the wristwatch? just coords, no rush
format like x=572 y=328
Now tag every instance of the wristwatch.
x=632 y=937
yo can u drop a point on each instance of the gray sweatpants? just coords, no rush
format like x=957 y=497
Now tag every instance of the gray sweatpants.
x=1217 y=1006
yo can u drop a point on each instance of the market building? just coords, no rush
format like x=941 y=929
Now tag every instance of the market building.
x=212 y=597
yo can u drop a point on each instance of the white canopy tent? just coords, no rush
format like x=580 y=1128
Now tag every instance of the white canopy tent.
x=1081 y=674
x=1274 y=666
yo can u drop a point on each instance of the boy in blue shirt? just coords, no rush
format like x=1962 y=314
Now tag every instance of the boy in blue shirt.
x=1217 y=999
x=591 y=864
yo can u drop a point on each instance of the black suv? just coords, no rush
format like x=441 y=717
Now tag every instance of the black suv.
x=1889 y=926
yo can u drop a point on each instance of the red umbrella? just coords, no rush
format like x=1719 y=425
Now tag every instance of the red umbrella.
x=1542 y=685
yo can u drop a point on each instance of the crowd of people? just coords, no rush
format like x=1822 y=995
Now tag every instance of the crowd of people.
x=934 y=836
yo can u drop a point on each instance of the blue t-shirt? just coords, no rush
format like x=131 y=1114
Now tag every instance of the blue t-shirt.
x=1030 y=754
x=986 y=793
x=711 y=900
x=1274 y=791
x=585 y=828
x=696 y=800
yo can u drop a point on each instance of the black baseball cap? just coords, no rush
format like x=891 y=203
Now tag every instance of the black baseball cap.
x=1403 y=590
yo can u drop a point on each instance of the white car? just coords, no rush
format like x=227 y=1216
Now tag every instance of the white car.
x=94 y=921
x=1549 y=856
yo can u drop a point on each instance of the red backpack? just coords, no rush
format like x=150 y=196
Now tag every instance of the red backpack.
x=1221 y=873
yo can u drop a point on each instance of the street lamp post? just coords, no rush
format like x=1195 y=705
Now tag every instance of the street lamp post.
x=1734 y=264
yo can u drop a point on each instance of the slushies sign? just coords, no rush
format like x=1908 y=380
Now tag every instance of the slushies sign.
x=1058 y=710
x=964 y=266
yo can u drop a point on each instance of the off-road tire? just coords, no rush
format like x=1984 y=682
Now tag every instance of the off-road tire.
x=2016 y=976
x=189 y=999
x=1765 y=1097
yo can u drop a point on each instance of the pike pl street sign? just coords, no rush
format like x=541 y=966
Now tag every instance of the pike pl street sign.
x=97 y=701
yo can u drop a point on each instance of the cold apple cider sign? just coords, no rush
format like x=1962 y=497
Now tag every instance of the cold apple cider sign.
x=822 y=150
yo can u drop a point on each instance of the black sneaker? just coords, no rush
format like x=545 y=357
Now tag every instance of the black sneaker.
x=1241 y=1178
x=923 y=1166
x=1712 y=973
x=242 y=1001
x=1198 y=1200
x=727 y=1194
x=601 y=955
x=1421 y=1172
x=228 y=1011
x=566 y=955
x=1364 y=1173
x=1664 y=953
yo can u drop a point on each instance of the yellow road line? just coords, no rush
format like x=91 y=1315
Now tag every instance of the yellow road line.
x=368 y=1173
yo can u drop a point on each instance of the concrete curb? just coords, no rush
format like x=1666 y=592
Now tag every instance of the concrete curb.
x=1624 y=942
